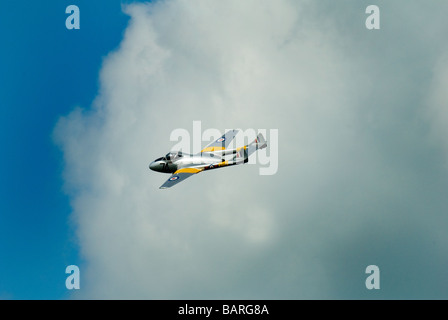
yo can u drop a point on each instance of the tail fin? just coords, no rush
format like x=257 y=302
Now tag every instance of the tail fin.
x=260 y=141
x=243 y=153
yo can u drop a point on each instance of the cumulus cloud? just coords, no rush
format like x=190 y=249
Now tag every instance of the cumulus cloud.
x=353 y=187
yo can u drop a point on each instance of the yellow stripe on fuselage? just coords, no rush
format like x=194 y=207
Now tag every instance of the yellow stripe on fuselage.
x=188 y=170
x=222 y=164
x=211 y=149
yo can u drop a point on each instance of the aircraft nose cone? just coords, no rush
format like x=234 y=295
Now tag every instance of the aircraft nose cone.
x=157 y=165
x=153 y=165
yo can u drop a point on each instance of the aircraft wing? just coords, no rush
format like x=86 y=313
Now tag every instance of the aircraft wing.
x=180 y=175
x=222 y=142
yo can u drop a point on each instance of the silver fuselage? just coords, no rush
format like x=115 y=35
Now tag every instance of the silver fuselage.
x=175 y=161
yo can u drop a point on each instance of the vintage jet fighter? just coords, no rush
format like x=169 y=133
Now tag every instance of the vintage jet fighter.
x=214 y=156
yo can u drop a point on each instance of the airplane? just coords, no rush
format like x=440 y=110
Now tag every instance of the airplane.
x=183 y=165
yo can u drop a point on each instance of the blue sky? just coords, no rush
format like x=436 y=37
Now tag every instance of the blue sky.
x=46 y=71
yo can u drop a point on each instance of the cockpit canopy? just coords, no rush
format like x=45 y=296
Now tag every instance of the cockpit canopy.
x=173 y=155
x=170 y=156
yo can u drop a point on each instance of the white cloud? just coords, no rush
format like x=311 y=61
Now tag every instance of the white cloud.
x=228 y=233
